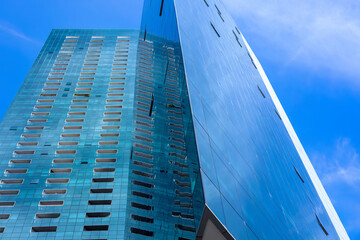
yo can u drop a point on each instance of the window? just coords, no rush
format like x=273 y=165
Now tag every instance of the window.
x=51 y=203
x=100 y=180
x=99 y=202
x=277 y=114
x=115 y=94
x=142 y=174
x=74 y=120
x=105 y=160
x=63 y=160
x=60 y=170
x=142 y=232
x=111 y=120
x=143 y=155
x=7 y=204
x=107 y=151
x=47 y=215
x=99 y=170
x=109 y=134
x=43 y=107
x=65 y=151
x=27 y=143
x=101 y=190
x=15 y=171
x=141 y=206
x=84 y=84
x=214 y=29
x=37 y=120
x=12 y=181
x=9 y=192
x=185 y=228
x=97 y=214
x=142 y=164
x=68 y=143
x=110 y=127
x=54 y=191
x=72 y=127
x=142 y=184
x=70 y=135
x=80 y=100
x=81 y=94
x=20 y=161
x=321 y=226
x=96 y=228
x=40 y=113
x=4 y=216
x=45 y=100
x=142 y=219
x=31 y=135
x=44 y=229
x=57 y=180
x=18 y=152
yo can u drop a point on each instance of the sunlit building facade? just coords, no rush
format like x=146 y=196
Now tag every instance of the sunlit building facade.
x=172 y=131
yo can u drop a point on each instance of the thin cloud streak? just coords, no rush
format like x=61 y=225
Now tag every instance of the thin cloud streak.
x=321 y=35
x=341 y=166
x=12 y=31
x=339 y=170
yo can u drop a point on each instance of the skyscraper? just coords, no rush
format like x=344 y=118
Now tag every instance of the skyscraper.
x=169 y=132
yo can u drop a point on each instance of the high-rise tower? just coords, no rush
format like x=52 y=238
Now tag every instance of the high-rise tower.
x=170 y=132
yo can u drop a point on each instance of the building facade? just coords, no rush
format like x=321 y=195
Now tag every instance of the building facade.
x=172 y=131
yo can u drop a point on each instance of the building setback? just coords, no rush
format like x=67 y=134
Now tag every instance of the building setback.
x=172 y=131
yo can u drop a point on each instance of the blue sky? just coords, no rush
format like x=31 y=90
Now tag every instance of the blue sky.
x=310 y=51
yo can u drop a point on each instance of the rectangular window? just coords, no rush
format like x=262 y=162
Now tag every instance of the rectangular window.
x=97 y=214
x=15 y=171
x=4 y=216
x=31 y=135
x=99 y=202
x=72 y=135
x=51 y=203
x=18 y=152
x=9 y=192
x=74 y=120
x=214 y=29
x=20 y=161
x=96 y=228
x=141 y=232
x=47 y=215
x=104 y=170
x=57 y=180
x=68 y=143
x=101 y=190
x=65 y=151
x=72 y=127
x=99 y=180
x=54 y=191
x=60 y=170
x=7 y=204
x=12 y=181
x=111 y=120
x=110 y=127
x=44 y=229
x=63 y=160
x=105 y=160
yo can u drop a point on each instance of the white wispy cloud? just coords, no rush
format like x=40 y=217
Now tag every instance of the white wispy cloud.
x=339 y=170
x=340 y=166
x=321 y=35
x=11 y=30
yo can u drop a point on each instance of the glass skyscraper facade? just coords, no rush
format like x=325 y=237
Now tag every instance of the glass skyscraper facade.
x=172 y=131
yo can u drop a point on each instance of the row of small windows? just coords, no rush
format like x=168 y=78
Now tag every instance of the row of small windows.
x=68 y=170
